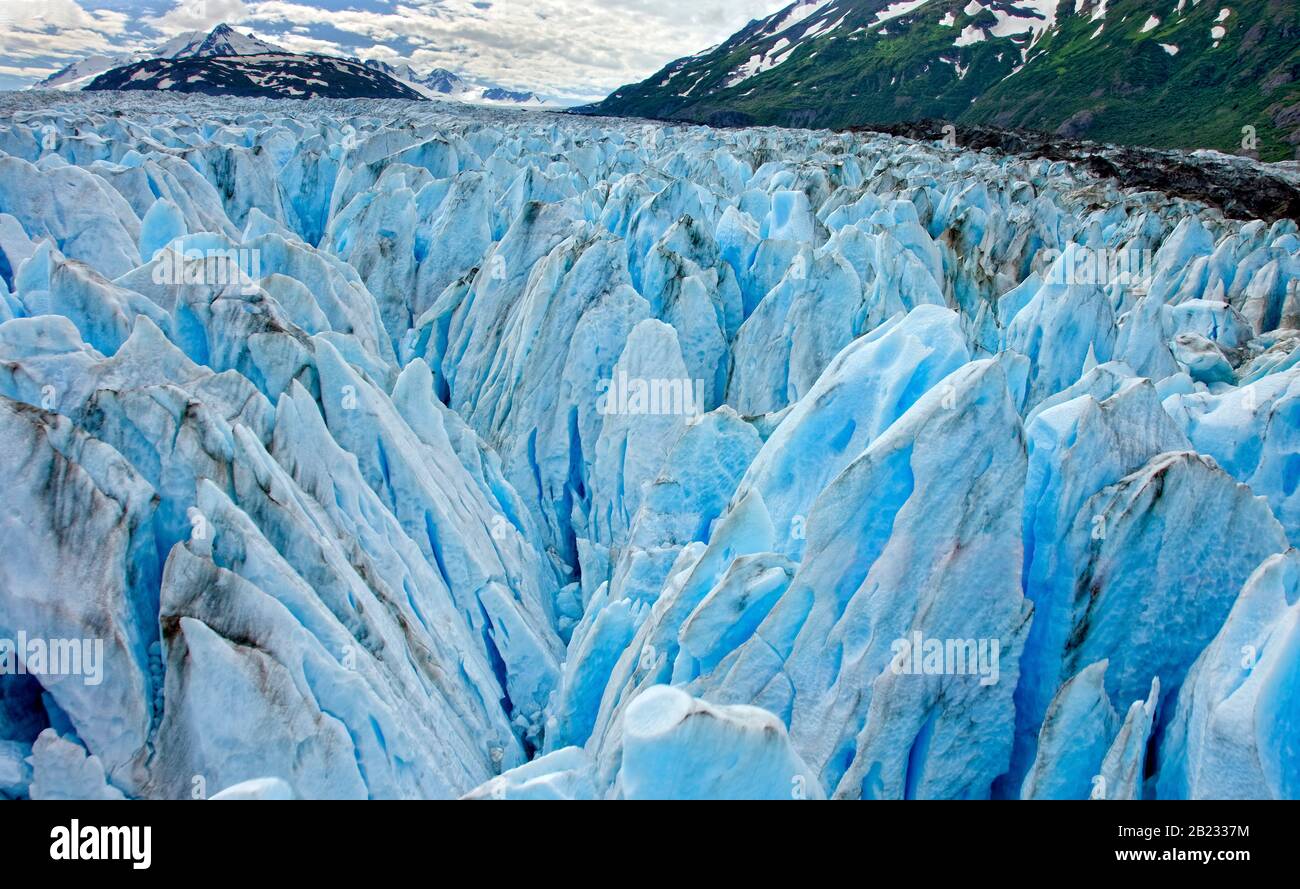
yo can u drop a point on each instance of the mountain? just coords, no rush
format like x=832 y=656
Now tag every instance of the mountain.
x=274 y=72
x=397 y=72
x=220 y=41
x=443 y=84
x=80 y=73
x=440 y=80
x=1163 y=73
x=272 y=75
x=513 y=97
x=405 y=450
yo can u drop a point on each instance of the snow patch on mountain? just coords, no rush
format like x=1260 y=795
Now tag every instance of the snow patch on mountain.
x=760 y=62
x=792 y=15
x=894 y=10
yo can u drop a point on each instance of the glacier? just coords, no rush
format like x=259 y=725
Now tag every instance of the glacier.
x=397 y=450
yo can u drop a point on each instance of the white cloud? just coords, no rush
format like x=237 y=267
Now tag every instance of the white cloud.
x=303 y=44
x=51 y=29
x=198 y=15
x=579 y=49
x=59 y=15
x=27 y=73
x=573 y=49
x=380 y=51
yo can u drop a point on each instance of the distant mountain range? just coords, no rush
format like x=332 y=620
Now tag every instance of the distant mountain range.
x=225 y=62
x=443 y=84
x=1163 y=73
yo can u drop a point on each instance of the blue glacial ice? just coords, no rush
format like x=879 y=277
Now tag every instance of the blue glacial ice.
x=384 y=451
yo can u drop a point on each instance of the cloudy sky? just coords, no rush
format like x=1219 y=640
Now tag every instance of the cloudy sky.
x=564 y=49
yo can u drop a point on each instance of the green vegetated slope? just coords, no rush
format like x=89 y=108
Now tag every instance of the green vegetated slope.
x=1149 y=72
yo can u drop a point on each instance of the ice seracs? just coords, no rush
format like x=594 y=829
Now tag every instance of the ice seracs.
x=680 y=748
x=510 y=455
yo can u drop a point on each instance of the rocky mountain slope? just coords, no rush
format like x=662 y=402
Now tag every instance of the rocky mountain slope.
x=271 y=75
x=1239 y=186
x=1162 y=73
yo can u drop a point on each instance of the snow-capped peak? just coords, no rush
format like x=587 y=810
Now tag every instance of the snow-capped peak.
x=222 y=40
x=443 y=84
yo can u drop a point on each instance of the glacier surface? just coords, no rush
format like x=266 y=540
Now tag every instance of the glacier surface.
x=378 y=450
